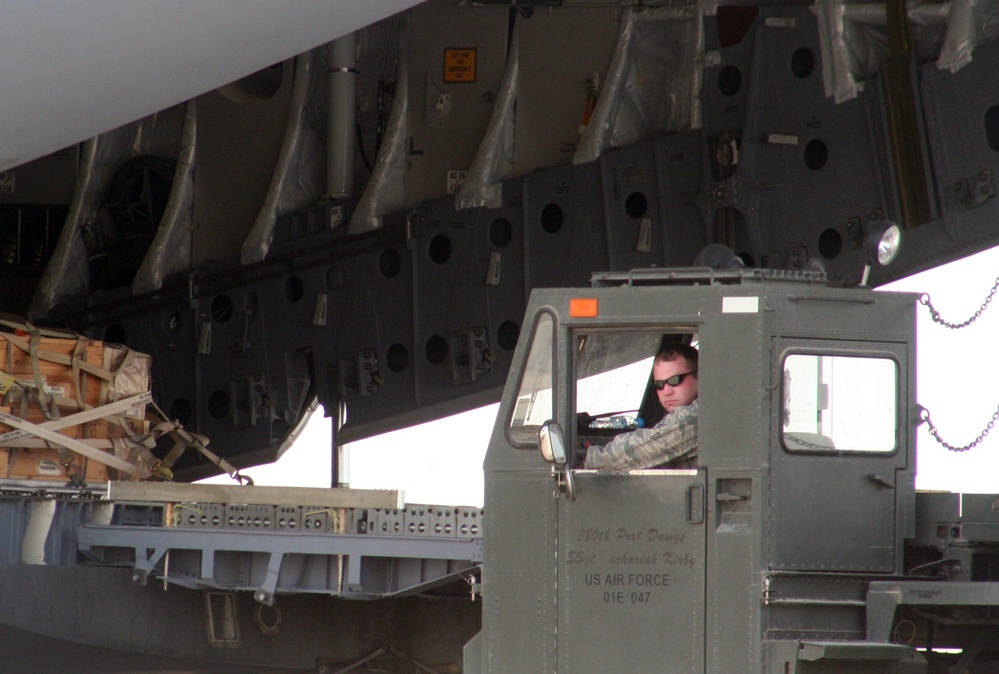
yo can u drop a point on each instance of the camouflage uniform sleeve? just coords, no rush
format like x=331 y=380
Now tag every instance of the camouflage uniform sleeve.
x=672 y=439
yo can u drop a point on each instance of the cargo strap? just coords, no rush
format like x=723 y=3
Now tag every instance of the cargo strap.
x=184 y=440
x=50 y=404
x=118 y=407
x=31 y=347
x=75 y=445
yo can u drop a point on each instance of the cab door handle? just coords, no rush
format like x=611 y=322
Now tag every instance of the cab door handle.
x=695 y=504
x=882 y=482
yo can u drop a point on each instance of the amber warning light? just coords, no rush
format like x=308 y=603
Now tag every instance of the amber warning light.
x=583 y=307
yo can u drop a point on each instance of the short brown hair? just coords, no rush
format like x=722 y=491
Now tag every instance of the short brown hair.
x=674 y=351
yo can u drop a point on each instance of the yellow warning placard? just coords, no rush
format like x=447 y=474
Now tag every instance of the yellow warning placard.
x=459 y=65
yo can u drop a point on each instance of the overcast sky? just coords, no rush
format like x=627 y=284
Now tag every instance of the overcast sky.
x=958 y=374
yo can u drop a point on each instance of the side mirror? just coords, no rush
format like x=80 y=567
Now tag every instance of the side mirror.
x=551 y=443
x=552 y=446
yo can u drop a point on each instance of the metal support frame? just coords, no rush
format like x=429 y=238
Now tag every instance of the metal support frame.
x=372 y=566
x=884 y=597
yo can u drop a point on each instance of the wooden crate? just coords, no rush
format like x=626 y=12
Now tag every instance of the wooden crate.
x=43 y=464
x=114 y=373
x=57 y=377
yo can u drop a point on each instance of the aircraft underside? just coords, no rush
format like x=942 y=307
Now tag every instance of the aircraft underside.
x=360 y=225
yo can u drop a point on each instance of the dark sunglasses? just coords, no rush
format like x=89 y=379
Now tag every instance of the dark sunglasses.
x=672 y=382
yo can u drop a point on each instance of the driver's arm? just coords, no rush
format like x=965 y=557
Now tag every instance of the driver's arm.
x=673 y=438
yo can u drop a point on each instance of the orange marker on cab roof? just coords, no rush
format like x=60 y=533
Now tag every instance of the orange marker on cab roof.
x=583 y=307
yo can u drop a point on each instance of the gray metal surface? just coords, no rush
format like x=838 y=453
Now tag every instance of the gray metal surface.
x=252 y=495
x=101 y=61
x=157 y=626
x=641 y=569
x=420 y=319
x=268 y=563
x=858 y=533
x=807 y=165
x=962 y=140
x=779 y=172
x=450 y=108
x=773 y=544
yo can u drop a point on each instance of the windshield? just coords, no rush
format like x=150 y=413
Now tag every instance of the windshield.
x=534 y=398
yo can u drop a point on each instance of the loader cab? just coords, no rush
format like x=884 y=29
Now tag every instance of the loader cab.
x=803 y=478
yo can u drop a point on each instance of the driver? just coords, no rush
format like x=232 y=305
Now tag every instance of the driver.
x=672 y=443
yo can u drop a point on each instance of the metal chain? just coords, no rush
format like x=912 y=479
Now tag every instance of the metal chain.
x=924 y=415
x=924 y=299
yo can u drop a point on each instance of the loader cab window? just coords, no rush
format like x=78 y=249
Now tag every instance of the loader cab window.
x=839 y=403
x=535 y=398
x=613 y=373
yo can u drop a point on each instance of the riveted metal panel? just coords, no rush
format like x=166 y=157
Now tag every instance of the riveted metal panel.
x=680 y=162
x=631 y=207
x=962 y=120
x=372 y=366
x=731 y=34
x=637 y=567
x=806 y=487
x=734 y=585
x=518 y=608
x=807 y=165
x=564 y=237
x=460 y=292
x=552 y=91
x=457 y=55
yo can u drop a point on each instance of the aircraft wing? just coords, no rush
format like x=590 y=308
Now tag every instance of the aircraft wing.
x=72 y=70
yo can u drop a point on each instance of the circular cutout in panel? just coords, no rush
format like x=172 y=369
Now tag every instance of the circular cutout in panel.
x=221 y=309
x=182 y=410
x=335 y=278
x=397 y=357
x=390 y=262
x=816 y=154
x=115 y=334
x=729 y=80
x=992 y=127
x=506 y=335
x=552 y=218
x=830 y=243
x=802 y=62
x=500 y=232
x=636 y=205
x=218 y=404
x=172 y=322
x=440 y=249
x=436 y=350
x=294 y=289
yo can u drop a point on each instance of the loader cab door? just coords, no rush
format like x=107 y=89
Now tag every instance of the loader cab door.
x=631 y=546
x=837 y=453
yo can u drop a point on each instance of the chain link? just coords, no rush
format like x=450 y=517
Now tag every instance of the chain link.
x=924 y=415
x=924 y=299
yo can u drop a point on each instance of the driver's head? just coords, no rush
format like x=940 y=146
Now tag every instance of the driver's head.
x=674 y=376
